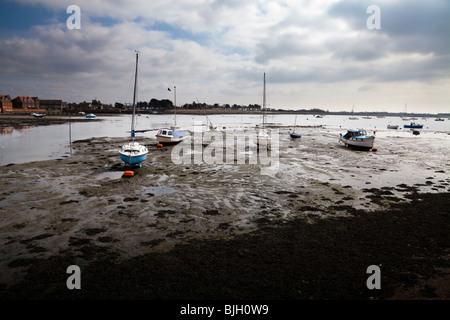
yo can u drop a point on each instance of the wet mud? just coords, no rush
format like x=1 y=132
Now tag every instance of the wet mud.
x=307 y=230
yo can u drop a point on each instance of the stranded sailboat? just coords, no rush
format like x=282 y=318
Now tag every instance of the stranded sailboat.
x=133 y=153
x=293 y=134
x=171 y=135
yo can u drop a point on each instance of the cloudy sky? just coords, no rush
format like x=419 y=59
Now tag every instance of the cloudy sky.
x=316 y=53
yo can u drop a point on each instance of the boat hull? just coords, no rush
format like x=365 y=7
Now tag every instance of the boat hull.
x=413 y=126
x=295 y=135
x=365 y=143
x=169 y=140
x=133 y=160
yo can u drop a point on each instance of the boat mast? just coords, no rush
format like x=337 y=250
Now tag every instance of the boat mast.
x=175 y=105
x=264 y=102
x=134 y=98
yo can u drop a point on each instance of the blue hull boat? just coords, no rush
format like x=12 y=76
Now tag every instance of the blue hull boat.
x=413 y=126
x=133 y=160
x=133 y=153
x=295 y=135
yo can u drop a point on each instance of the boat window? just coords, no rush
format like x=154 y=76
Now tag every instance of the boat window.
x=170 y=133
x=164 y=132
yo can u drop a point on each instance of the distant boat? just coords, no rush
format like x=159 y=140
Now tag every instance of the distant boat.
x=38 y=115
x=293 y=134
x=90 y=116
x=357 y=138
x=391 y=126
x=133 y=153
x=367 y=117
x=353 y=118
x=439 y=119
x=413 y=125
x=416 y=132
x=319 y=116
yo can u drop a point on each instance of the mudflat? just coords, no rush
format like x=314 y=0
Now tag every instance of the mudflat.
x=307 y=230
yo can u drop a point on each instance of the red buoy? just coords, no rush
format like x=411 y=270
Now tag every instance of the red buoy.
x=159 y=145
x=128 y=173
x=374 y=149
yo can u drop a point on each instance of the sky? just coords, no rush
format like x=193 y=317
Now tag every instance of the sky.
x=328 y=54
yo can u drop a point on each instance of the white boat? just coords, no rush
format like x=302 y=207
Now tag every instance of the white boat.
x=172 y=135
x=353 y=118
x=133 y=153
x=357 y=138
x=38 y=115
x=392 y=126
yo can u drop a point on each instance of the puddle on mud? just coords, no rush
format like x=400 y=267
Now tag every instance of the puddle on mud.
x=157 y=191
x=110 y=175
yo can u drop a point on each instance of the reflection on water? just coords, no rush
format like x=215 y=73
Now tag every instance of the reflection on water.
x=6 y=130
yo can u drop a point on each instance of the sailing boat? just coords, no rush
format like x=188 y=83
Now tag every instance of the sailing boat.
x=293 y=134
x=171 y=135
x=133 y=153
x=211 y=125
x=262 y=136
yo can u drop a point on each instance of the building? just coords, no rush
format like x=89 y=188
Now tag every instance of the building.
x=51 y=105
x=5 y=103
x=24 y=102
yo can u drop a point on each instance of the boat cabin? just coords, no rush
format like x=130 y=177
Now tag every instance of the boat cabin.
x=355 y=133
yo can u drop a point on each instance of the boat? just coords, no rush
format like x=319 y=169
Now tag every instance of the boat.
x=413 y=125
x=133 y=153
x=391 y=126
x=357 y=138
x=171 y=135
x=353 y=118
x=293 y=134
x=319 y=116
x=211 y=125
x=90 y=116
x=38 y=115
x=416 y=132
x=367 y=117
x=439 y=119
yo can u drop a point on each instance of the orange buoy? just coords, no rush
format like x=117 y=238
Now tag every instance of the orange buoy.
x=224 y=127
x=159 y=145
x=374 y=149
x=128 y=173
